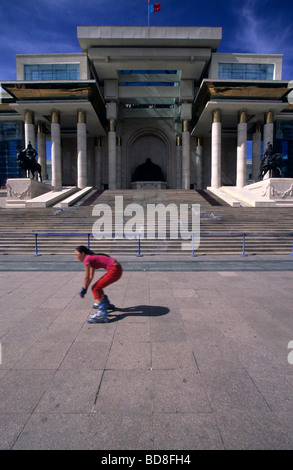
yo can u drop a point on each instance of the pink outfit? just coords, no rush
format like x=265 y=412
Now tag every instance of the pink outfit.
x=113 y=268
x=99 y=261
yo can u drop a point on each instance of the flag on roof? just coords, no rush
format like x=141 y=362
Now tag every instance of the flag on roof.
x=154 y=7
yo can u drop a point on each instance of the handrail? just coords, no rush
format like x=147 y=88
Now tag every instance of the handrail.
x=193 y=254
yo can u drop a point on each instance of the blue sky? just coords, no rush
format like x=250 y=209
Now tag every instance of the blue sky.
x=44 y=26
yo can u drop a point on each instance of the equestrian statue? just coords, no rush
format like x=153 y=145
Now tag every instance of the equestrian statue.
x=28 y=162
x=270 y=162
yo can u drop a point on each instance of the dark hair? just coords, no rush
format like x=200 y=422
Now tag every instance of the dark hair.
x=87 y=251
x=84 y=249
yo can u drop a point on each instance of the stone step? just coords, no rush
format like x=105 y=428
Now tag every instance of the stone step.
x=50 y=198
x=218 y=223
x=74 y=198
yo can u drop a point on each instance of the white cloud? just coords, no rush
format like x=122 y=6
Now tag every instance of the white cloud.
x=261 y=29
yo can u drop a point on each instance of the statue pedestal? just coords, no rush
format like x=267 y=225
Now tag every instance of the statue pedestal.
x=272 y=192
x=20 y=190
x=148 y=185
x=276 y=189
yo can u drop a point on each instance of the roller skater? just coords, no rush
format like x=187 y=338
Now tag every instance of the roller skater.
x=92 y=262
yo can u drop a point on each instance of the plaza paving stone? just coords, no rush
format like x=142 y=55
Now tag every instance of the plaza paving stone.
x=194 y=358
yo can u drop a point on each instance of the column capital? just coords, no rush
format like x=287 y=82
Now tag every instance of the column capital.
x=269 y=117
x=185 y=125
x=81 y=116
x=242 y=116
x=257 y=127
x=217 y=115
x=55 y=116
x=41 y=127
x=112 y=125
x=29 y=117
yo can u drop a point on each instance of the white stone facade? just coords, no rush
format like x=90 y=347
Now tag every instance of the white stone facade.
x=149 y=92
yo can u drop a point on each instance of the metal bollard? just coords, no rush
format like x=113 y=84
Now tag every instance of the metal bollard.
x=36 y=245
x=193 y=254
x=243 y=245
x=139 y=254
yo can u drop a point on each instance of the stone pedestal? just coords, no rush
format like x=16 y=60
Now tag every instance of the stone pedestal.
x=19 y=190
x=273 y=192
x=277 y=189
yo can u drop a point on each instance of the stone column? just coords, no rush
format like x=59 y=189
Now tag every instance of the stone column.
x=81 y=150
x=112 y=180
x=178 y=157
x=98 y=163
x=198 y=163
x=256 y=151
x=241 y=149
x=216 y=150
x=119 y=163
x=29 y=128
x=268 y=130
x=186 y=156
x=41 y=139
x=56 y=149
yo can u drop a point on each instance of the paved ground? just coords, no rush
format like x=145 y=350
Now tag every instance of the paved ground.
x=196 y=358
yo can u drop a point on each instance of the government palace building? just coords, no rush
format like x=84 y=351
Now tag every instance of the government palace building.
x=143 y=107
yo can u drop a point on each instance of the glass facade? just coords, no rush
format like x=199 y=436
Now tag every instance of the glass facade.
x=52 y=72
x=11 y=142
x=246 y=71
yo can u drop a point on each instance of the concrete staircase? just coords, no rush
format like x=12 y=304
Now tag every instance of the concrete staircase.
x=268 y=230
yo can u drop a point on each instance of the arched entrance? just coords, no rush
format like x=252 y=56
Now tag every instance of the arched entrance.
x=145 y=144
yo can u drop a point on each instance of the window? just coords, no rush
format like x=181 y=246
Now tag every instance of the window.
x=51 y=72
x=142 y=78
x=246 y=71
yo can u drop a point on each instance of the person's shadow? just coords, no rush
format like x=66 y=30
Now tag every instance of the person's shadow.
x=137 y=311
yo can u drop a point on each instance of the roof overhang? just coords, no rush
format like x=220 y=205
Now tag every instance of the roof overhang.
x=112 y=49
x=230 y=96
x=162 y=36
x=66 y=96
